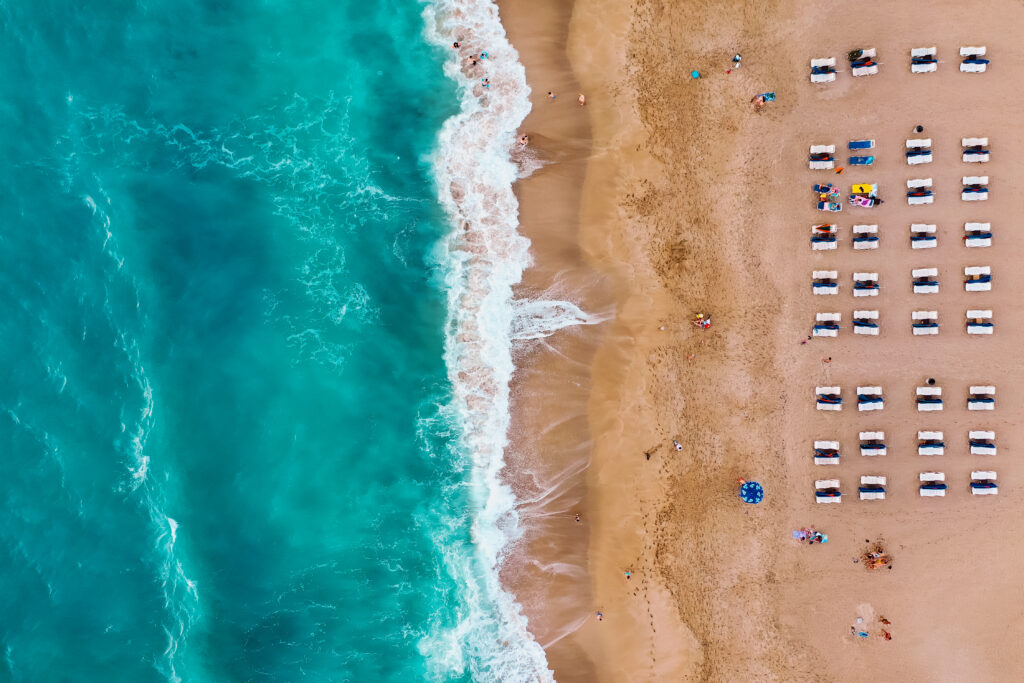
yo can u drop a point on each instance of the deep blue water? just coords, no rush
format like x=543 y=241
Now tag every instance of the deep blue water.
x=226 y=447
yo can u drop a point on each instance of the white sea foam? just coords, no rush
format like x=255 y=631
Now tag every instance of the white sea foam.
x=484 y=257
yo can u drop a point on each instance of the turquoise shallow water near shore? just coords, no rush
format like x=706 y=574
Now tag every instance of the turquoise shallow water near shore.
x=229 y=451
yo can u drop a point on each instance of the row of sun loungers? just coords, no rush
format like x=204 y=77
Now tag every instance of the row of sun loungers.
x=919 y=151
x=928 y=399
x=924 y=281
x=825 y=236
x=872 y=486
x=923 y=323
x=922 y=60
x=928 y=443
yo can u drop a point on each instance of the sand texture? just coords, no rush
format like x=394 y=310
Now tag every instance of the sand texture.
x=692 y=202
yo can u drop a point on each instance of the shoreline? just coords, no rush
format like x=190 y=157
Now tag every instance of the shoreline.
x=692 y=202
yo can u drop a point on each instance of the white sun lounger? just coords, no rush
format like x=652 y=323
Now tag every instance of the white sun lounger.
x=822 y=165
x=929 y=399
x=828 y=458
x=823 y=240
x=923 y=236
x=923 y=52
x=978 y=234
x=972 y=156
x=866 y=70
x=974 y=196
x=913 y=160
x=979 y=321
x=919 y=184
x=872 y=398
x=872 y=487
x=869 y=447
x=865 y=237
x=981 y=397
x=827 y=324
x=865 y=322
x=983 y=483
x=929 y=283
x=827 y=486
x=862 y=279
x=982 y=442
x=830 y=392
x=825 y=281
x=972 y=53
x=979 y=278
x=933 y=479
x=927 y=443
x=828 y=62
x=924 y=322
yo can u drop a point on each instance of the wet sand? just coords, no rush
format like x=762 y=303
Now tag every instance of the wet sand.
x=689 y=201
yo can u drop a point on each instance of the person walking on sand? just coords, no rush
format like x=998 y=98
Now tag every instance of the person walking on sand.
x=551 y=95
x=578 y=520
x=582 y=100
x=524 y=141
x=737 y=61
x=679 y=446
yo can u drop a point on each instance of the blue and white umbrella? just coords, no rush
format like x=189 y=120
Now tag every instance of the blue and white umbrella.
x=751 y=492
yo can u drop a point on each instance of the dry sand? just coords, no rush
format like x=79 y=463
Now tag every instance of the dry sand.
x=692 y=202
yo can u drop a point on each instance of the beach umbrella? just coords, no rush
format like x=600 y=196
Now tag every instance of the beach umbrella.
x=751 y=492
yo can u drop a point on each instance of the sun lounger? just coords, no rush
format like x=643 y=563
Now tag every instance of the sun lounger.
x=983 y=483
x=823 y=70
x=922 y=60
x=872 y=443
x=925 y=322
x=919 y=151
x=865 y=237
x=981 y=397
x=828 y=398
x=982 y=442
x=831 y=207
x=975 y=150
x=827 y=491
x=978 y=278
x=872 y=487
x=979 y=321
x=824 y=236
x=974 y=61
x=922 y=236
x=926 y=280
x=978 y=234
x=933 y=483
x=861 y=144
x=865 y=284
x=865 y=64
x=930 y=443
x=826 y=452
x=929 y=399
x=825 y=282
x=869 y=398
x=919 y=191
x=827 y=324
x=821 y=157
x=975 y=188
x=861 y=161
x=865 y=322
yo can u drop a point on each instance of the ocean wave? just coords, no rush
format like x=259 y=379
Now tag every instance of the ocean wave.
x=483 y=258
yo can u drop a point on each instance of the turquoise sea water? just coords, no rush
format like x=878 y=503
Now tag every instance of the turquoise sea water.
x=229 y=451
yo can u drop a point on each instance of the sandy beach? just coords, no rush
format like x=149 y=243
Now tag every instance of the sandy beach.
x=673 y=196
